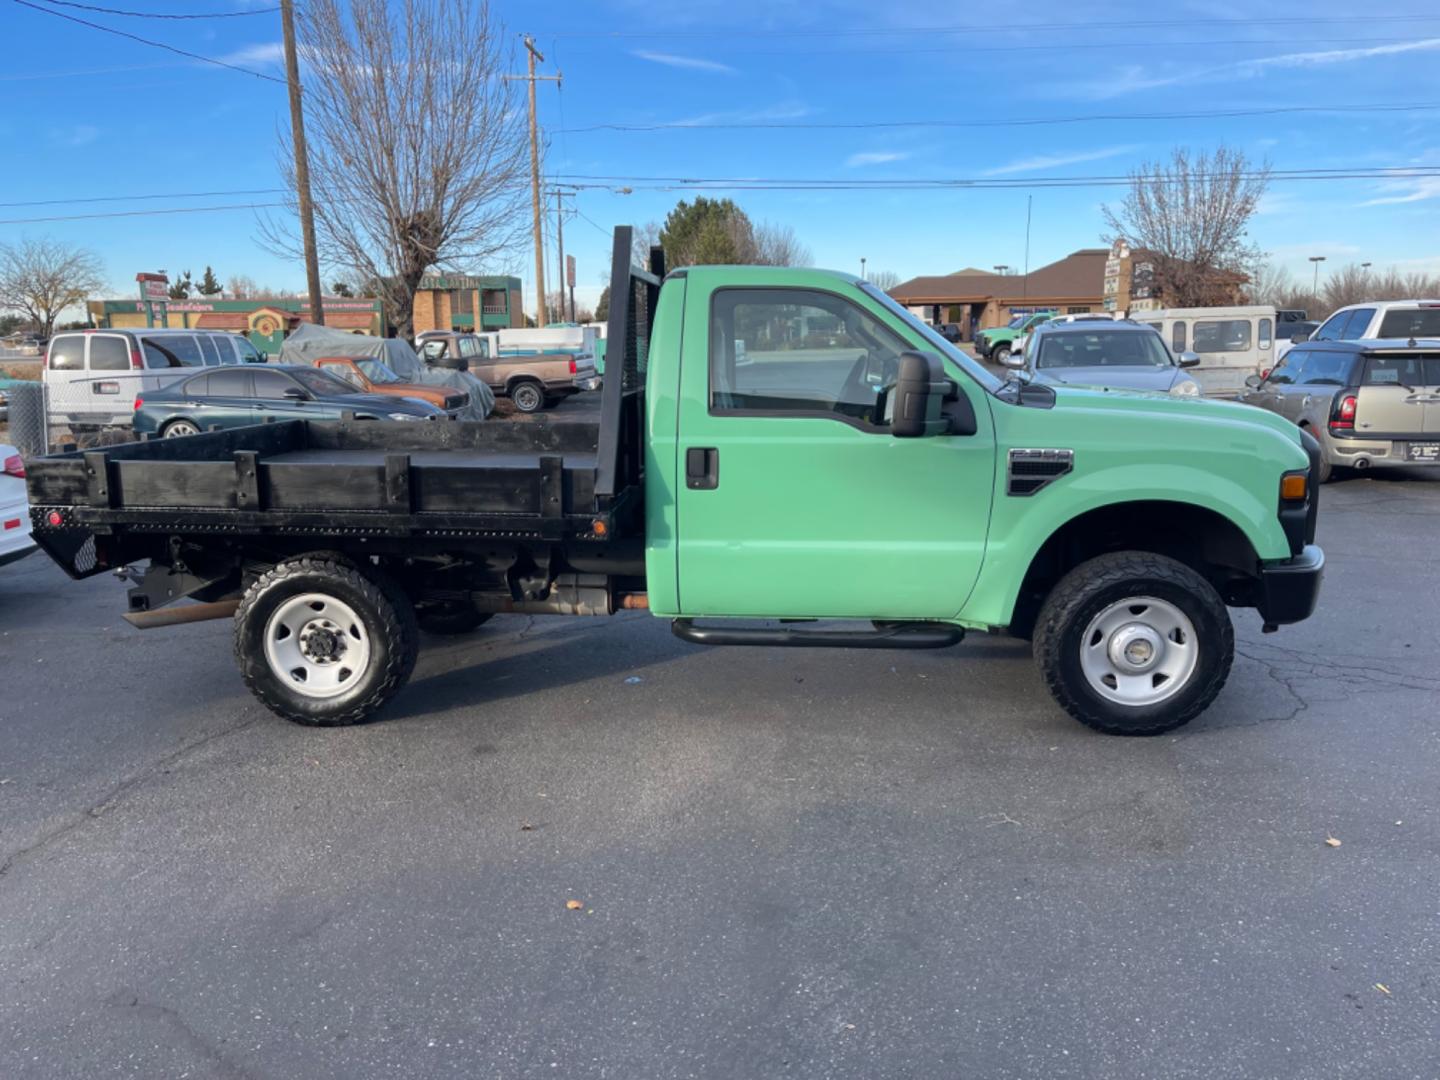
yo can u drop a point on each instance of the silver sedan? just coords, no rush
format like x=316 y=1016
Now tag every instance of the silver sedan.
x=1119 y=355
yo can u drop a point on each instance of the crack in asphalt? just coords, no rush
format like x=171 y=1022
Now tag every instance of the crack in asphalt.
x=130 y=1002
x=117 y=793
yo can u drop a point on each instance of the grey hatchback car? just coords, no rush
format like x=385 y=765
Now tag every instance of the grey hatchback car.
x=1119 y=354
x=1371 y=404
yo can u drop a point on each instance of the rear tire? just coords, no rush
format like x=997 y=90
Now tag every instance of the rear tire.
x=303 y=620
x=527 y=397
x=178 y=428
x=1134 y=643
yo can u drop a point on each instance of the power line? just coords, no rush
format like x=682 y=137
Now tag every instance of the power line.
x=1092 y=26
x=162 y=15
x=152 y=44
x=1085 y=118
x=982 y=183
x=138 y=198
x=141 y=213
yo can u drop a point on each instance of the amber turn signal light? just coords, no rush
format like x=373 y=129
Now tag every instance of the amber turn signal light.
x=1292 y=487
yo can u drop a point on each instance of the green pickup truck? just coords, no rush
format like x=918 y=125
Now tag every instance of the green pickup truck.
x=775 y=446
x=996 y=343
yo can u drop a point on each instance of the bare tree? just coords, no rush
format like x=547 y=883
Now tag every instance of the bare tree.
x=241 y=287
x=777 y=245
x=417 y=148
x=41 y=278
x=884 y=280
x=1189 y=215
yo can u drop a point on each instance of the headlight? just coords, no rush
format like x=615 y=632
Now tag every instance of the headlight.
x=1186 y=388
x=403 y=416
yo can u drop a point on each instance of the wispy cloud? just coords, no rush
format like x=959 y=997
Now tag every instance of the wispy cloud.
x=1134 y=78
x=783 y=110
x=267 y=52
x=875 y=157
x=691 y=63
x=1055 y=161
x=1416 y=189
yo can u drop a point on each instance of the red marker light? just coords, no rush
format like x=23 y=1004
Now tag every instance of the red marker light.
x=55 y=519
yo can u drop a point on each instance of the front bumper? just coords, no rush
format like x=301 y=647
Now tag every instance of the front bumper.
x=1289 y=588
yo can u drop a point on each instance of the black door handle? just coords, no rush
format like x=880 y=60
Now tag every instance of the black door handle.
x=702 y=468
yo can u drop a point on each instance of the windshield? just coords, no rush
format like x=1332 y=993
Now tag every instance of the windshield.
x=933 y=339
x=1102 y=348
x=377 y=371
x=1017 y=322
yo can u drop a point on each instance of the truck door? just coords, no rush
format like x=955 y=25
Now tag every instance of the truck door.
x=791 y=500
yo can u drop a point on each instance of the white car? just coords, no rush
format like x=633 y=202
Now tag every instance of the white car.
x=1399 y=319
x=15 y=541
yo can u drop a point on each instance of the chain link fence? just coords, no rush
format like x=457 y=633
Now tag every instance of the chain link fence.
x=29 y=426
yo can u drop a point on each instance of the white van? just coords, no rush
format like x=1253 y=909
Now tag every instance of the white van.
x=1232 y=342
x=92 y=377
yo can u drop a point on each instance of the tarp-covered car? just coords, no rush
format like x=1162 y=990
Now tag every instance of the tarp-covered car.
x=308 y=343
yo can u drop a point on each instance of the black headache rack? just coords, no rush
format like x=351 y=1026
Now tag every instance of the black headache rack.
x=437 y=484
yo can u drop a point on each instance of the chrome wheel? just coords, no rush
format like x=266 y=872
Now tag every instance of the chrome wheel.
x=1139 y=651
x=317 y=645
x=179 y=428
x=527 y=397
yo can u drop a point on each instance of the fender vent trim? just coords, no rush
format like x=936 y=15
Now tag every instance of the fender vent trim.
x=1030 y=470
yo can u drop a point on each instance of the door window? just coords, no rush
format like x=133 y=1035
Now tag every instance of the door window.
x=234 y=382
x=797 y=352
x=67 y=353
x=158 y=356
x=209 y=350
x=1266 y=333
x=184 y=347
x=1357 y=324
x=345 y=372
x=1177 y=337
x=1327 y=369
x=199 y=386
x=432 y=350
x=1222 y=335
x=467 y=347
x=271 y=384
x=1284 y=372
x=109 y=353
x=248 y=353
x=1334 y=327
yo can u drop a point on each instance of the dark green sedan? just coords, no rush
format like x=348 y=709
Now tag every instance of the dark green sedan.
x=227 y=397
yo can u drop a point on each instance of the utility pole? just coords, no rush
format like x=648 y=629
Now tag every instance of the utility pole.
x=531 y=78
x=302 y=164
x=560 y=240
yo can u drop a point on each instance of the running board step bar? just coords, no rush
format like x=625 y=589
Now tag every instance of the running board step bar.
x=915 y=635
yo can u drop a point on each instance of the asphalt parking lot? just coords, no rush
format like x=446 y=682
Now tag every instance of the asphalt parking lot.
x=789 y=863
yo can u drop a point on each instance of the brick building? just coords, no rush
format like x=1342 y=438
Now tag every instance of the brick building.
x=466 y=302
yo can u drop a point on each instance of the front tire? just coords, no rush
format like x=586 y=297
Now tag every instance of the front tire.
x=1134 y=643
x=1000 y=354
x=323 y=644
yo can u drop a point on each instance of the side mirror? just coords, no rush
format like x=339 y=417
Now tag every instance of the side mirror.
x=294 y=393
x=913 y=404
x=1189 y=359
x=1014 y=360
x=1253 y=381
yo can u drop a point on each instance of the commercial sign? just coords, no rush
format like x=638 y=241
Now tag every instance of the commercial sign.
x=154 y=287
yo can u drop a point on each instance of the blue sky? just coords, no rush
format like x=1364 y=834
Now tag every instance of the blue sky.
x=87 y=115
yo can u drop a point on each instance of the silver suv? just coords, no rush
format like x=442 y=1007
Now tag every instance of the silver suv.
x=1371 y=404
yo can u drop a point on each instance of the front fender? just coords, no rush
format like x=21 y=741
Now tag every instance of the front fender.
x=1022 y=525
